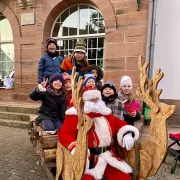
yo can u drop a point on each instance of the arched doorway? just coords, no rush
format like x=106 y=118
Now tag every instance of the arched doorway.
x=6 y=49
x=85 y=22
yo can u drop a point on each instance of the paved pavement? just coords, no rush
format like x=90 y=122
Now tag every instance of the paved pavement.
x=17 y=156
x=18 y=160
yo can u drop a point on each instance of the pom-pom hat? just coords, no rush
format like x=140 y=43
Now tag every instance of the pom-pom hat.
x=91 y=93
x=87 y=77
x=80 y=46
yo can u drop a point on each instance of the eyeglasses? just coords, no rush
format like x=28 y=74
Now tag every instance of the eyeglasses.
x=79 y=52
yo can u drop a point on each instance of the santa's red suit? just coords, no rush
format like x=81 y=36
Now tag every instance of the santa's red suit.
x=100 y=148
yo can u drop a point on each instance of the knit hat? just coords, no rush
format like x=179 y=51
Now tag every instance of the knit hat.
x=91 y=93
x=87 y=77
x=51 y=40
x=80 y=46
x=110 y=85
x=66 y=76
x=125 y=80
x=56 y=76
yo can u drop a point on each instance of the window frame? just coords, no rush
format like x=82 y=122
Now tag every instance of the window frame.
x=83 y=36
x=7 y=42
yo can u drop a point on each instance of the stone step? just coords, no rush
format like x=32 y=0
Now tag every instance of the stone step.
x=14 y=123
x=26 y=108
x=16 y=116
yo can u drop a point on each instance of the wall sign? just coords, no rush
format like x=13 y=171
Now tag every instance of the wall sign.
x=28 y=18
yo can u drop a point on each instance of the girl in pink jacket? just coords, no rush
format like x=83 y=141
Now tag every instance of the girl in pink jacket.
x=131 y=105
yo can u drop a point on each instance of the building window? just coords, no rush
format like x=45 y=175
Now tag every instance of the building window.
x=6 y=49
x=81 y=22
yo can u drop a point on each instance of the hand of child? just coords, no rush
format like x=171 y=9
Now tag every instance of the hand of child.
x=133 y=114
x=44 y=82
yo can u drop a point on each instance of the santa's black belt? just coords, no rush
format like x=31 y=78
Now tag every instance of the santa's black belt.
x=98 y=150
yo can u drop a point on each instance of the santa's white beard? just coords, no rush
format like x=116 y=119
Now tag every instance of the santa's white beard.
x=99 y=107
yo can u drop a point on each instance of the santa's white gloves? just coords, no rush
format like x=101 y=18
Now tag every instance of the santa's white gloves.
x=128 y=141
x=95 y=107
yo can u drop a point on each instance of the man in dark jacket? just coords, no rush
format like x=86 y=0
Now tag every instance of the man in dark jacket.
x=50 y=62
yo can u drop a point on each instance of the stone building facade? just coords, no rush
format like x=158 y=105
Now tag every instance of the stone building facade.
x=32 y=22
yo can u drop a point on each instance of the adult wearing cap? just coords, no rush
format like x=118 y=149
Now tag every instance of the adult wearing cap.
x=77 y=59
x=102 y=160
x=50 y=62
x=54 y=103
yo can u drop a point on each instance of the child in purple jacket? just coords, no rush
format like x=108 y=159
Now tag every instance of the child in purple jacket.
x=131 y=105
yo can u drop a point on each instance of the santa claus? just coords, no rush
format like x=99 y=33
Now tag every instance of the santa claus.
x=103 y=161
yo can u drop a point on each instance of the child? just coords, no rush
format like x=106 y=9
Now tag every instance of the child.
x=50 y=62
x=68 y=88
x=52 y=110
x=110 y=97
x=98 y=74
x=131 y=105
x=89 y=80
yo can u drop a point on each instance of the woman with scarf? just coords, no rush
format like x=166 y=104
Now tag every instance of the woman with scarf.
x=54 y=103
x=131 y=105
x=110 y=97
x=50 y=62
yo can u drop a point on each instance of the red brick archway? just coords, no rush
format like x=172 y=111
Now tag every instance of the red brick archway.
x=9 y=14
x=49 y=15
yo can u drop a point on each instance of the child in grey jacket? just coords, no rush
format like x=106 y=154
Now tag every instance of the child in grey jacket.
x=110 y=97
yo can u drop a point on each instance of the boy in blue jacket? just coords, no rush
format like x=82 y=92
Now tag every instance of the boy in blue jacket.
x=50 y=62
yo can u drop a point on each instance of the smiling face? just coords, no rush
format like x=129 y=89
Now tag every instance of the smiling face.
x=52 y=47
x=91 y=83
x=108 y=92
x=67 y=85
x=126 y=89
x=79 y=55
x=57 y=84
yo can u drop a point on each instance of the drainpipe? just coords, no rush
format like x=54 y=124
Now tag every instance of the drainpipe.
x=150 y=36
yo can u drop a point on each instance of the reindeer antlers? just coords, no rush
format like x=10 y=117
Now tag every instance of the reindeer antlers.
x=76 y=87
x=77 y=91
x=148 y=88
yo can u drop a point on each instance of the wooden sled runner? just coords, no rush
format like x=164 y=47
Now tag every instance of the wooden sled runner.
x=145 y=158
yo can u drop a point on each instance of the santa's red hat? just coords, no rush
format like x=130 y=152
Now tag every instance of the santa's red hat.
x=91 y=93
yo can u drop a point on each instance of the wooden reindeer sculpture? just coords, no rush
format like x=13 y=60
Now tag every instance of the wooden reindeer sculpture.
x=71 y=167
x=154 y=149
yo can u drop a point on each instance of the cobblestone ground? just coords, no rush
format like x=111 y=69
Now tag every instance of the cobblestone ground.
x=165 y=171
x=17 y=156
x=18 y=160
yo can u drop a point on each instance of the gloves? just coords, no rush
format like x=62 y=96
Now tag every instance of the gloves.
x=128 y=141
x=41 y=88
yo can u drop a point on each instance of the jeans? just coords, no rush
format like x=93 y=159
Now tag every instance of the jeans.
x=50 y=125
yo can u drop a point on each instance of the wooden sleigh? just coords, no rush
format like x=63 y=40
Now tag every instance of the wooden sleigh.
x=145 y=158
x=46 y=145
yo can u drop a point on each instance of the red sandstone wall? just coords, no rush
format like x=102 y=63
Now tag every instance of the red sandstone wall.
x=125 y=39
